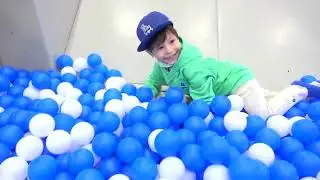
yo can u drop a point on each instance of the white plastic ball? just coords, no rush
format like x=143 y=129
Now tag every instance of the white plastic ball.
x=261 y=152
x=189 y=175
x=152 y=138
x=293 y=120
x=216 y=172
x=235 y=120
x=82 y=133
x=280 y=124
x=119 y=130
x=6 y=176
x=15 y=167
x=119 y=177
x=129 y=102
x=236 y=102
x=1 y=109
x=58 y=142
x=29 y=147
x=144 y=105
x=79 y=64
x=96 y=158
x=99 y=94
x=64 y=87
x=208 y=119
x=116 y=106
x=308 y=178
x=59 y=99
x=31 y=92
x=115 y=82
x=73 y=93
x=171 y=168
x=67 y=70
x=71 y=107
x=41 y=125
x=46 y=93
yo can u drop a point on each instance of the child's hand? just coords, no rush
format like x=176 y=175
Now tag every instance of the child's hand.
x=313 y=89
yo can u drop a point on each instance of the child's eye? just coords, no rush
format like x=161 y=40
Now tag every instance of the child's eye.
x=160 y=48
x=172 y=41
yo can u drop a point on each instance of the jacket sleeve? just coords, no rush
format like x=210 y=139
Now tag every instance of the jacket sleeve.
x=201 y=81
x=155 y=80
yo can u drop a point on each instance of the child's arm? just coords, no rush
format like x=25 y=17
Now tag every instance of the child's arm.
x=313 y=91
x=155 y=80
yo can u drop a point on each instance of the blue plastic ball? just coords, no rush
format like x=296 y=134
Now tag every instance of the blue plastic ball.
x=68 y=77
x=104 y=144
x=94 y=60
x=174 y=95
x=94 y=87
x=85 y=73
x=94 y=117
x=141 y=132
x=62 y=162
x=186 y=137
x=98 y=105
x=6 y=101
x=21 y=119
x=254 y=124
x=10 y=135
x=109 y=167
x=43 y=167
x=64 y=176
x=308 y=78
x=233 y=154
x=129 y=89
x=5 y=118
x=303 y=105
x=64 y=122
x=144 y=94
x=54 y=84
x=292 y=112
x=216 y=150
x=89 y=174
x=21 y=81
x=79 y=160
x=138 y=114
x=305 y=131
x=244 y=168
x=199 y=108
x=112 y=94
x=54 y=74
x=314 y=111
x=158 y=120
x=220 y=105
x=315 y=148
x=129 y=149
x=144 y=168
x=83 y=85
x=192 y=157
x=114 y=73
x=238 y=140
x=48 y=106
x=178 y=113
x=103 y=69
x=281 y=169
x=40 y=80
x=63 y=61
x=204 y=135
x=167 y=143
x=16 y=90
x=156 y=105
x=86 y=111
x=86 y=99
x=97 y=77
x=23 y=73
x=269 y=137
x=9 y=72
x=4 y=152
x=108 y=122
x=306 y=163
x=22 y=102
x=288 y=147
x=217 y=125
x=195 y=124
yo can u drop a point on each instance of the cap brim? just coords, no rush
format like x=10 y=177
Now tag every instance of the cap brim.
x=145 y=44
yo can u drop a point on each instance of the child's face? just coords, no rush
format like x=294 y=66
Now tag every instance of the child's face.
x=169 y=51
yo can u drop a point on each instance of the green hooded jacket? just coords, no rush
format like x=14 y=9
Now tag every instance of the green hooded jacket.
x=199 y=76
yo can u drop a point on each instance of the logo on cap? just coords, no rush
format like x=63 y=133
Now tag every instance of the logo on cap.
x=146 y=29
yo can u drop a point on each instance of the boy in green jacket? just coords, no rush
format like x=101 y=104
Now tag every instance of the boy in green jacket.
x=179 y=63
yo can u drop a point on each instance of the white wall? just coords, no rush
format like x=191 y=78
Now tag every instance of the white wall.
x=33 y=33
x=279 y=40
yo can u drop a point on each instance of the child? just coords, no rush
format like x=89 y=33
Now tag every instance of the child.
x=179 y=63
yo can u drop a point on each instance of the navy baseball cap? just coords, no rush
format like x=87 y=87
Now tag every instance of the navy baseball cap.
x=148 y=27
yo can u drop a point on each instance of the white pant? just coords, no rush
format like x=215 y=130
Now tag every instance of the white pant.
x=265 y=103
